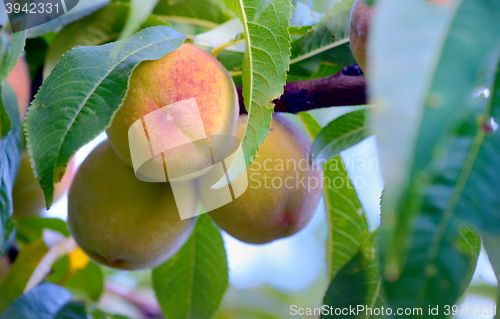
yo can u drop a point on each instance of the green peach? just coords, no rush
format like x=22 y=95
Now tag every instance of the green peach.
x=120 y=221
x=276 y=204
x=27 y=195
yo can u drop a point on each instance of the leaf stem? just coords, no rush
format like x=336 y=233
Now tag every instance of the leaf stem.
x=226 y=45
x=192 y=21
x=235 y=73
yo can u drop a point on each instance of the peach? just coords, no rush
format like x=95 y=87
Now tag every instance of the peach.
x=284 y=189
x=184 y=74
x=120 y=221
x=28 y=197
x=361 y=17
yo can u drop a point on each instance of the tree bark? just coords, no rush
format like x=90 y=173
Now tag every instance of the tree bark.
x=335 y=90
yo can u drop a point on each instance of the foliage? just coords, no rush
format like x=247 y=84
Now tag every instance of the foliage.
x=42 y=302
x=267 y=44
x=433 y=149
x=434 y=89
x=326 y=43
x=197 y=274
x=71 y=123
x=358 y=283
x=11 y=139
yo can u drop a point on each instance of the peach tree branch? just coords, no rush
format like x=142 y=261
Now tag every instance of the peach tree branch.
x=336 y=90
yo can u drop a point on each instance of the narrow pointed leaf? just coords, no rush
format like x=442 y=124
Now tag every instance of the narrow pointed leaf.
x=313 y=127
x=435 y=142
x=420 y=125
x=100 y=27
x=346 y=218
x=80 y=97
x=327 y=42
x=340 y=134
x=434 y=274
x=358 y=285
x=191 y=284
x=43 y=302
x=266 y=61
x=11 y=48
x=209 y=10
x=139 y=12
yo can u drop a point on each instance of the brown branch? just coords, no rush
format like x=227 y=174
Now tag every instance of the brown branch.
x=335 y=90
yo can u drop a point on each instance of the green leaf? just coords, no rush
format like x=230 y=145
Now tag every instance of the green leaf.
x=30 y=229
x=327 y=42
x=10 y=157
x=424 y=121
x=82 y=9
x=435 y=141
x=262 y=302
x=231 y=57
x=226 y=32
x=346 y=216
x=324 y=71
x=80 y=97
x=59 y=270
x=302 y=30
x=11 y=48
x=266 y=62
x=483 y=289
x=35 y=53
x=214 y=11
x=321 y=5
x=87 y=283
x=358 y=284
x=340 y=134
x=191 y=284
x=347 y=222
x=101 y=27
x=140 y=10
x=468 y=177
x=78 y=310
x=16 y=280
x=321 y=50
x=43 y=302
x=5 y=123
x=72 y=310
x=99 y=314
x=311 y=124
x=31 y=267
x=434 y=275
